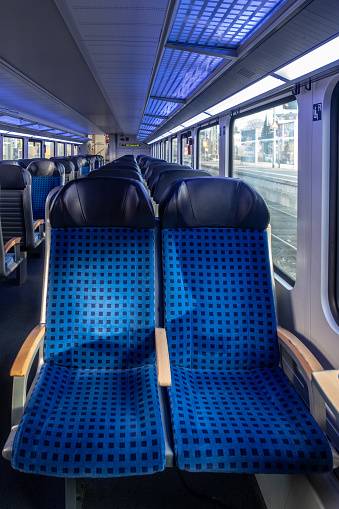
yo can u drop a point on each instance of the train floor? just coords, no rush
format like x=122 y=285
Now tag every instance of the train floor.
x=20 y=312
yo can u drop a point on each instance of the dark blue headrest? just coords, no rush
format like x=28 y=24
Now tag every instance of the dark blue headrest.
x=67 y=164
x=13 y=177
x=102 y=202
x=13 y=162
x=44 y=168
x=214 y=202
x=111 y=172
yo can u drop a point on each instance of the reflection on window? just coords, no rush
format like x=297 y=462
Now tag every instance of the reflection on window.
x=49 y=149
x=166 y=151
x=186 y=150
x=209 y=149
x=68 y=149
x=12 y=148
x=60 y=149
x=174 y=142
x=34 y=149
x=76 y=150
x=265 y=156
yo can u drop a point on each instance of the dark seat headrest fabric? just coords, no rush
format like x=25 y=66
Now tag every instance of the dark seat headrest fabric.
x=67 y=164
x=13 y=177
x=214 y=202
x=44 y=168
x=82 y=160
x=102 y=202
x=111 y=172
x=165 y=179
x=13 y=162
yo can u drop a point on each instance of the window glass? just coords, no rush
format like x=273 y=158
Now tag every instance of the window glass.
x=186 y=150
x=265 y=155
x=49 y=149
x=68 y=149
x=34 y=149
x=209 y=149
x=61 y=149
x=166 y=150
x=174 y=142
x=13 y=148
x=76 y=150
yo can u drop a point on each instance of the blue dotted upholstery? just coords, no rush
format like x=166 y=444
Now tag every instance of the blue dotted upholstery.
x=9 y=259
x=85 y=170
x=95 y=411
x=100 y=299
x=219 y=306
x=91 y=423
x=41 y=187
x=232 y=409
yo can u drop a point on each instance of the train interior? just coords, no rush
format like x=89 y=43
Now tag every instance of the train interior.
x=174 y=131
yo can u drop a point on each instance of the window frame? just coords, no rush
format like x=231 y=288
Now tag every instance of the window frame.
x=188 y=135
x=16 y=138
x=172 y=139
x=333 y=234
x=267 y=105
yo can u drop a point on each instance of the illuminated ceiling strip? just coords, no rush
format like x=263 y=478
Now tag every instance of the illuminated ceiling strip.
x=196 y=119
x=162 y=117
x=315 y=59
x=251 y=92
x=213 y=51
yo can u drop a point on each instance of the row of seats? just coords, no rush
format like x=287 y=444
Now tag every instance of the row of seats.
x=25 y=185
x=115 y=327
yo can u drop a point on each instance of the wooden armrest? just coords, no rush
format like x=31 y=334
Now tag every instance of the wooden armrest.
x=163 y=363
x=27 y=351
x=37 y=223
x=306 y=359
x=327 y=382
x=11 y=242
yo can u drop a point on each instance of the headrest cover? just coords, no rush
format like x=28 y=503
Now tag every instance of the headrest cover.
x=43 y=168
x=214 y=202
x=13 y=162
x=110 y=172
x=13 y=177
x=102 y=202
x=67 y=164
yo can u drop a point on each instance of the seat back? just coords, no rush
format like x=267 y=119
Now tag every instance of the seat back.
x=166 y=178
x=100 y=295
x=112 y=172
x=46 y=175
x=16 y=205
x=218 y=298
x=68 y=165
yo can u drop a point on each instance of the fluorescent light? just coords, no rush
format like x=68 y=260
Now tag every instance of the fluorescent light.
x=176 y=129
x=319 y=57
x=195 y=120
x=258 y=88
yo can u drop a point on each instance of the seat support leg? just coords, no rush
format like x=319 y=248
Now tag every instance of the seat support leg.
x=74 y=493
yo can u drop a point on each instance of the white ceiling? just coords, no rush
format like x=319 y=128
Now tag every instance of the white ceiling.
x=119 y=41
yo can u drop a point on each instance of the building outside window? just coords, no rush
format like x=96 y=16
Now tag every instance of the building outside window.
x=12 y=148
x=265 y=155
x=34 y=149
x=209 y=149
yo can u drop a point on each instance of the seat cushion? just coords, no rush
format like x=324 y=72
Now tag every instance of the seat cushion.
x=91 y=423
x=243 y=422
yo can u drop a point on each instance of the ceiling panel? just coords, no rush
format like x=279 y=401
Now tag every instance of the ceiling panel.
x=119 y=40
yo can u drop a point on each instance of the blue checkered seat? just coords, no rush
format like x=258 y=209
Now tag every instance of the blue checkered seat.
x=94 y=410
x=232 y=408
x=46 y=175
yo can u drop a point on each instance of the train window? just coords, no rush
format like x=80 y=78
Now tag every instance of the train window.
x=34 y=149
x=174 y=145
x=208 y=149
x=12 y=148
x=49 y=149
x=68 y=149
x=186 y=149
x=60 y=149
x=76 y=150
x=166 y=150
x=264 y=154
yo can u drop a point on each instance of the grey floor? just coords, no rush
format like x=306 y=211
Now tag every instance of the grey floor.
x=19 y=313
